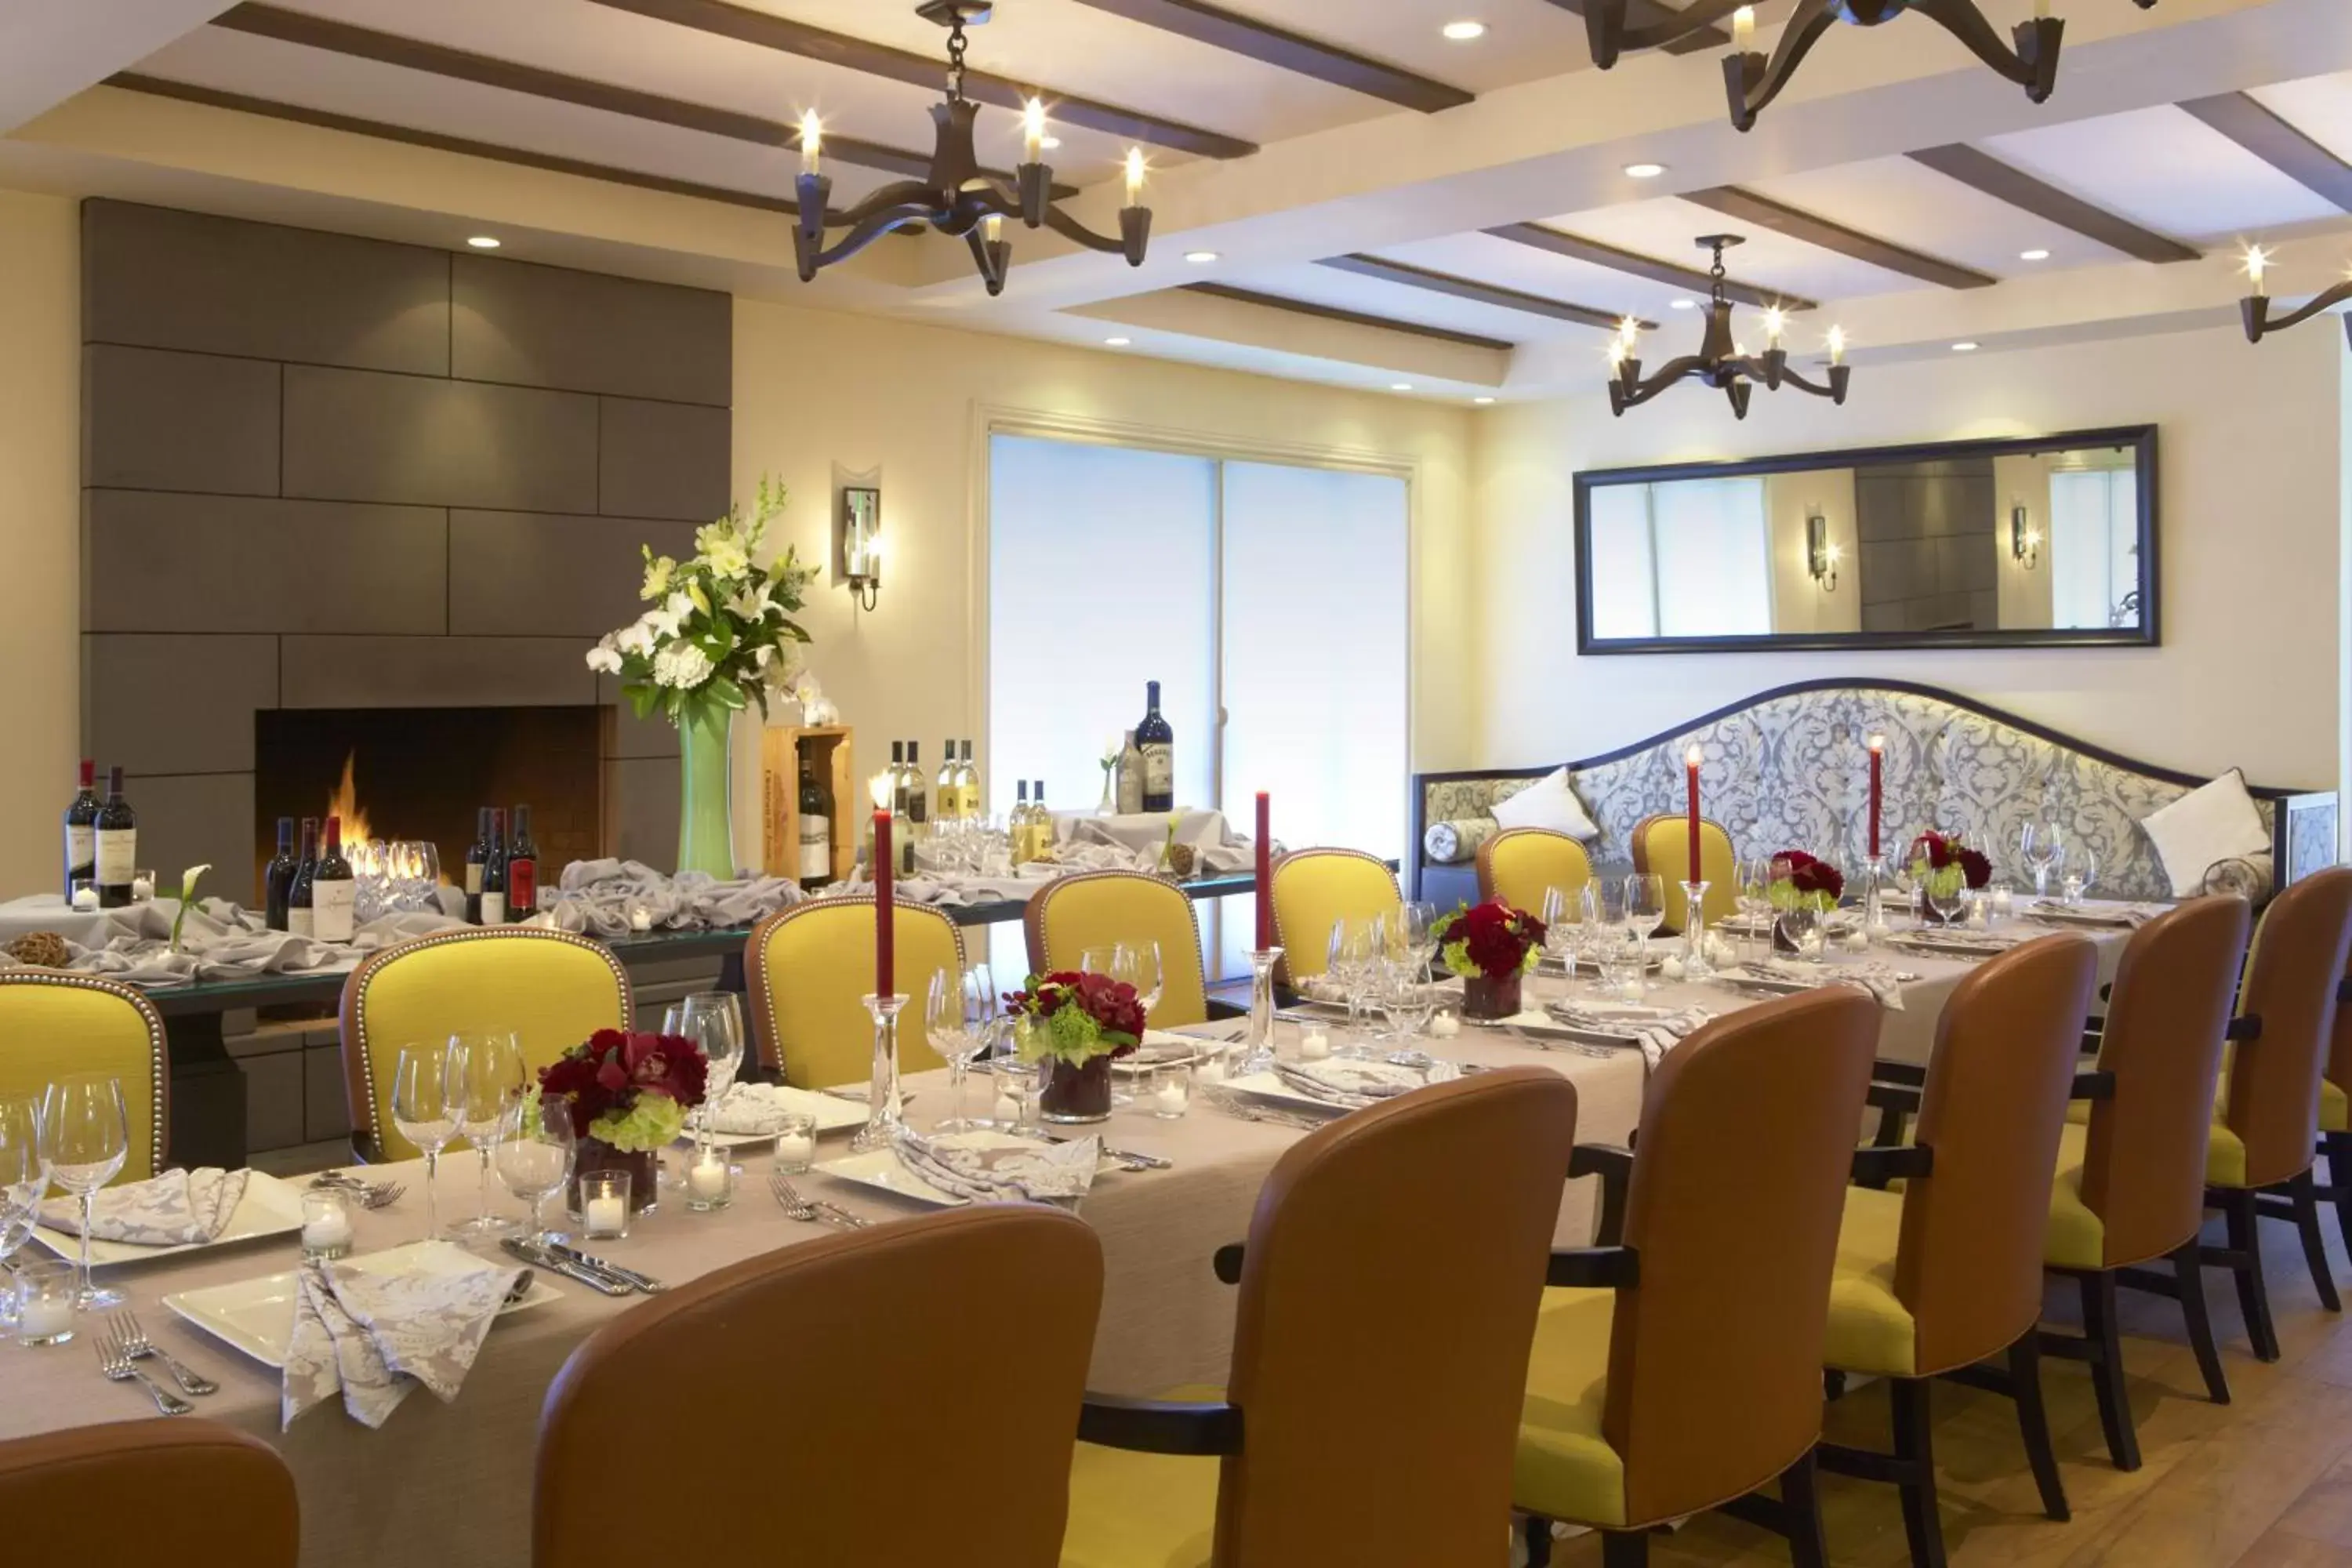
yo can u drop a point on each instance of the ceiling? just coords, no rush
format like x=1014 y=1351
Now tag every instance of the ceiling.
x=1387 y=207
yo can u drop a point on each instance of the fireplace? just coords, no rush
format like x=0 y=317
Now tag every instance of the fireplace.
x=423 y=773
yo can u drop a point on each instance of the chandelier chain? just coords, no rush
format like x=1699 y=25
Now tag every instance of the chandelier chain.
x=956 y=44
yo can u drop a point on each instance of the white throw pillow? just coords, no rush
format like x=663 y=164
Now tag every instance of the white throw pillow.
x=2211 y=823
x=1548 y=802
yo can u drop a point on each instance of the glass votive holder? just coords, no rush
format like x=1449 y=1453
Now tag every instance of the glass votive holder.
x=605 y=1205
x=2004 y=901
x=44 y=1302
x=1216 y=1064
x=641 y=918
x=326 y=1224
x=1314 y=1043
x=2070 y=891
x=143 y=886
x=1018 y=1088
x=709 y=1180
x=1979 y=910
x=796 y=1144
x=82 y=895
x=1167 y=1093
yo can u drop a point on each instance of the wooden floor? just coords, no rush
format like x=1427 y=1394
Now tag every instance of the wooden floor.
x=2263 y=1482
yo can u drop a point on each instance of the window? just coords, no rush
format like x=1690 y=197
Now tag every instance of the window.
x=1687 y=559
x=2094 y=543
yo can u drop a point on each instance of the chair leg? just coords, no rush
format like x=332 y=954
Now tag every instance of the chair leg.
x=2338 y=1146
x=2303 y=1193
x=2189 y=1270
x=1625 y=1549
x=2107 y=1368
x=1832 y=1385
x=1537 y=1532
x=2034 y=1424
x=2237 y=1205
x=1921 y=1526
x=1800 y=1504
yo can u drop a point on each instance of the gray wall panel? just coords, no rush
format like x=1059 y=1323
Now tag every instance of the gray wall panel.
x=664 y=459
x=630 y=736
x=583 y=331
x=206 y=820
x=356 y=435
x=174 y=704
x=641 y=799
x=526 y=574
x=161 y=421
x=435 y=672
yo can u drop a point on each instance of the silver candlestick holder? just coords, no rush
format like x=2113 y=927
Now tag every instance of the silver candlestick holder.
x=885 y=1112
x=1258 y=1043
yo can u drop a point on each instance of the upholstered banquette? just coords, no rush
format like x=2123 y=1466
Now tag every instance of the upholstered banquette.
x=1788 y=769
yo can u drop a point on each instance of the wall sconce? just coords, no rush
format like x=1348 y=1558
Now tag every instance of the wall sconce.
x=857 y=537
x=2024 y=539
x=1820 y=555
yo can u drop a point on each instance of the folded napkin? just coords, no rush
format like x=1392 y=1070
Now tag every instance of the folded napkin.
x=178 y=1209
x=1356 y=1084
x=1655 y=1029
x=2128 y=916
x=375 y=1336
x=1877 y=980
x=1960 y=944
x=753 y=1109
x=1041 y=1172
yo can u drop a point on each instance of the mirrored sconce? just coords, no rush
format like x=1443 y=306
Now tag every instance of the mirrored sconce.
x=857 y=537
x=2024 y=539
x=1820 y=555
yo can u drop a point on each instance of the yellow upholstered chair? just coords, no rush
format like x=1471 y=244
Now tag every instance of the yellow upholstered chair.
x=1678 y=1366
x=1520 y=865
x=1947 y=1272
x=1095 y=909
x=1388 y=1288
x=2266 y=1132
x=1662 y=844
x=52 y=1025
x=552 y=988
x=1313 y=888
x=807 y=965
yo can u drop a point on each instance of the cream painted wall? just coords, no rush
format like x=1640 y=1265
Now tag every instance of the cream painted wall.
x=1798 y=603
x=2252 y=508
x=41 y=532
x=814 y=389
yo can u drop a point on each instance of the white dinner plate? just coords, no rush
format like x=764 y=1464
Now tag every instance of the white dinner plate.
x=1269 y=1086
x=882 y=1168
x=833 y=1115
x=270 y=1207
x=256 y=1316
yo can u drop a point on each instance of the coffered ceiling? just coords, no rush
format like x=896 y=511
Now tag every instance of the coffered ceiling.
x=1384 y=205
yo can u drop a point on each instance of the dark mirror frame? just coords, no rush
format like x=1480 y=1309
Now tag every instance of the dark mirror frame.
x=2141 y=438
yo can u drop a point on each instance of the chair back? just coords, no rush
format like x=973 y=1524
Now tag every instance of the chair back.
x=2168 y=1011
x=1520 y=865
x=1095 y=909
x=862 y=1339
x=1388 y=1306
x=1739 y=1185
x=219 y=1497
x=54 y=1024
x=806 y=967
x=1662 y=844
x=2290 y=980
x=1968 y=1265
x=1313 y=888
x=553 y=988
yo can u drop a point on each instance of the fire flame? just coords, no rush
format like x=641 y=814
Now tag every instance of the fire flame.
x=344 y=802
x=369 y=858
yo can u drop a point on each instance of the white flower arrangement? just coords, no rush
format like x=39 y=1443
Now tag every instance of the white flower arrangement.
x=720 y=630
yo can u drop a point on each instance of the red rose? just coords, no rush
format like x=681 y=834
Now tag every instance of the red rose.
x=1975 y=868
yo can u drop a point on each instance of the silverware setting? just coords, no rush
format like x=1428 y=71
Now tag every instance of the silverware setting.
x=1560 y=1043
x=644 y=1283
x=800 y=1208
x=858 y=1096
x=114 y=1365
x=1242 y=1110
x=139 y=1347
x=370 y=1194
x=1131 y=1159
x=537 y=1252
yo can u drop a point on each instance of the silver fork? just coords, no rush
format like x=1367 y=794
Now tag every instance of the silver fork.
x=370 y=1194
x=1245 y=1112
x=807 y=1213
x=114 y=1362
x=124 y=1326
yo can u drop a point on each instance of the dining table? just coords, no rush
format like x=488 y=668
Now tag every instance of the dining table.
x=451 y=1483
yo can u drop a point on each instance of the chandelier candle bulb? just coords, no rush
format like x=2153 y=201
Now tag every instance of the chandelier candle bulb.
x=1743 y=28
x=1033 y=129
x=2257 y=263
x=1837 y=347
x=811 y=141
x=1692 y=758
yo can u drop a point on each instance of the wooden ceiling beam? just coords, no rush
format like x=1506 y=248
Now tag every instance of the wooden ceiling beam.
x=2261 y=131
x=1335 y=313
x=1765 y=213
x=1576 y=247
x=1474 y=291
x=1289 y=51
x=2004 y=183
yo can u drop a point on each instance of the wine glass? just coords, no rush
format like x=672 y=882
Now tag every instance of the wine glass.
x=1645 y=912
x=2081 y=869
x=490 y=1065
x=1560 y=936
x=1140 y=969
x=1801 y=926
x=1754 y=897
x=85 y=1137
x=1408 y=1000
x=959 y=1020
x=23 y=1179
x=426 y=1101
x=1607 y=937
x=712 y=1020
x=1354 y=949
x=535 y=1151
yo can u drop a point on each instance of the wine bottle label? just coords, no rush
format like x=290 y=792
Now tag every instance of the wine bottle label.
x=299 y=921
x=117 y=853
x=522 y=886
x=474 y=878
x=332 y=905
x=1159 y=768
x=494 y=908
x=817 y=848
x=81 y=847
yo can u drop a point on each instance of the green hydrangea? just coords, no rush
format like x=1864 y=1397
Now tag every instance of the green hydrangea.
x=654 y=1122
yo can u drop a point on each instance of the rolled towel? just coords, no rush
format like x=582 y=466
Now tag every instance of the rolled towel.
x=1451 y=842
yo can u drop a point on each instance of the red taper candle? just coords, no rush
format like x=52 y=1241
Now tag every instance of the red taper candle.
x=1878 y=767
x=1691 y=758
x=885 y=928
x=1264 y=873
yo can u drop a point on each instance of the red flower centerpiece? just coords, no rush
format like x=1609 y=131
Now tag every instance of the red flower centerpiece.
x=1801 y=881
x=629 y=1095
x=1077 y=1025
x=1944 y=866
x=1491 y=946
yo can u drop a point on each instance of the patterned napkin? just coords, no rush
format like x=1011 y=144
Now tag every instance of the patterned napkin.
x=1877 y=980
x=1357 y=1084
x=1962 y=943
x=1042 y=1173
x=2130 y=917
x=1655 y=1029
x=178 y=1209
x=376 y=1337
x=756 y=1109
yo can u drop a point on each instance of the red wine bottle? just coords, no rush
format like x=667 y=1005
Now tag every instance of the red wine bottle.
x=1157 y=742
x=82 y=830
x=494 y=872
x=522 y=869
x=298 y=891
x=278 y=877
x=117 y=844
x=334 y=895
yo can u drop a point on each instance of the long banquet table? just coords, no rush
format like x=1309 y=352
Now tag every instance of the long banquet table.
x=451 y=1484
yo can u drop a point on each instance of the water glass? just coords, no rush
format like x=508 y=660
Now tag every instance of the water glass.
x=709 y=1179
x=960 y=1018
x=1168 y=1091
x=44 y=1302
x=1800 y=927
x=1645 y=912
x=1019 y=1086
x=23 y=1180
x=425 y=1106
x=535 y=1154
x=2044 y=847
x=796 y=1142
x=490 y=1063
x=326 y=1224
x=713 y=1020
x=85 y=1137
x=605 y=1205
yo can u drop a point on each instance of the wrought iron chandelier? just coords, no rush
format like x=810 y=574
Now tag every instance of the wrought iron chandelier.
x=1720 y=361
x=2256 y=307
x=958 y=197
x=1753 y=81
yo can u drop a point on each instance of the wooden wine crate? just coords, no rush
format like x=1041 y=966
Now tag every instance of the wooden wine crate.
x=830 y=751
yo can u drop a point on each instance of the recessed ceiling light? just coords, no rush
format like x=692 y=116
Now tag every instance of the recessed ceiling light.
x=1200 y=257
x=1464 y=32
x=483 y=242
x=1644 y=171
x=1684 y=304
x=1399 y=387
x=2033 y=254
x=1967 y=348
x=1482 y=400
x=1116 y=342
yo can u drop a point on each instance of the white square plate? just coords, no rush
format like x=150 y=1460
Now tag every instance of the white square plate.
x=256 y=1316
x=1269 y=1085
x=831 y=1115
x=270 y=1207
x=882 y=1168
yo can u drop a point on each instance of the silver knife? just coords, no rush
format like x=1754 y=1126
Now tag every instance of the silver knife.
x=531 y=1252
x=629 y=1277
x=1134 y=1159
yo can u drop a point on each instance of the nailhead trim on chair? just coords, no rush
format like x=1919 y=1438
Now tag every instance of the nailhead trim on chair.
x=159 y=1065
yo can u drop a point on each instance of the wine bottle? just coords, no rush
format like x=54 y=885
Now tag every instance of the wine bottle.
x=1041 y=822
x=278 y=877
x=494 y=872
x=476 y=853
x=898 y=778
x=948 y=792
x=334 y=895
x=970 y=784
x=1130 y=777
x=919 y=793
x=1016 y=826
x=816 y=831
x=523 y=869
x=1157 y=742
x=81 y=829
x=298 y=892
x=116 y=846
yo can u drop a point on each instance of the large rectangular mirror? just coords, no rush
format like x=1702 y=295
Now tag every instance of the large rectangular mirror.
x=2043 y=541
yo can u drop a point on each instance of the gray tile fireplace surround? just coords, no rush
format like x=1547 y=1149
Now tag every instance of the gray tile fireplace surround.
x=329 y=472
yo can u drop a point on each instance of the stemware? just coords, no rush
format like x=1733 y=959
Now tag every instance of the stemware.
x=2080 y=869
x=714 y=1021
x=1606 y=935
x=959 y=1018
x=1352 y=957
x=23 y=1179
x=1563 y=930
x=426 y=1101
x=1800 y=928
x=535 y=1152
x=85 y=1137
x=1645 y=912
x=1753 y=895
x=1140 y=968
x=490 y=1063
